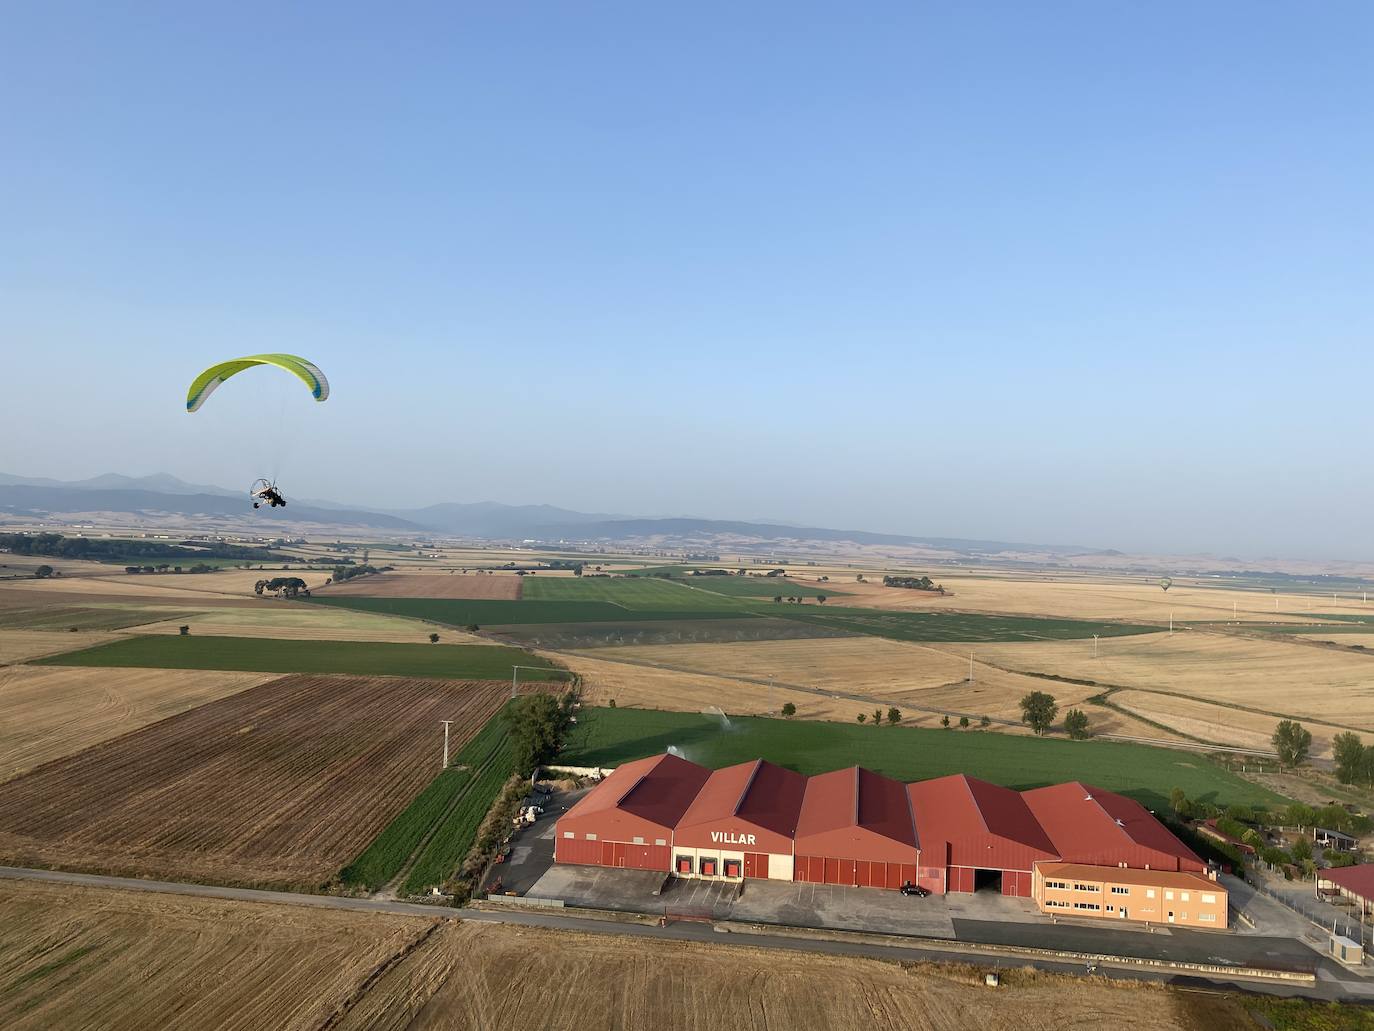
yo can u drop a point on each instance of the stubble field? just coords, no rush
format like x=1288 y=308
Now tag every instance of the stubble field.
x=469 y=976
x=78 y=957
x=279 y=785
x=47 y=712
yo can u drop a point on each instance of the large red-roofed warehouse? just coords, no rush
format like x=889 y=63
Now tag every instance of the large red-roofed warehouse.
x=1067 y=846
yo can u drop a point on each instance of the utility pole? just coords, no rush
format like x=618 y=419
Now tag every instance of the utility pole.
x=446 y=724
x=970 y=667
x=1171 y=624
x=1094 y=646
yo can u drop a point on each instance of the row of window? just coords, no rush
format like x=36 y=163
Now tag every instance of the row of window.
x=1209 y=898
x=636 y=840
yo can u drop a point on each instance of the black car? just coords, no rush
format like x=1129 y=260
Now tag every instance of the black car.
x=915 y=889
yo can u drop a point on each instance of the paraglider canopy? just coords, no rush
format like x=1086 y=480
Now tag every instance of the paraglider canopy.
x=206 y=383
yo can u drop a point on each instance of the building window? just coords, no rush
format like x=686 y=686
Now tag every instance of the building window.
x=1058 y=885
x=1185 y=896
x=569 y=834
x=1118 y=890
x=1209 y=899
x=591 y=837
x=1168 y=896
x=637 y=840
x=660 y=841
x=1056 y=904
x=1207 y=918
x=1087 y=905
x=1087 y=887
x=1149 y=893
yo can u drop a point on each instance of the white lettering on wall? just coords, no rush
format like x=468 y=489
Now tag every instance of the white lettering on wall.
x=731 y=838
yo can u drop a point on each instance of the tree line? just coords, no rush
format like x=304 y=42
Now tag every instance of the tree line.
x=57 y=545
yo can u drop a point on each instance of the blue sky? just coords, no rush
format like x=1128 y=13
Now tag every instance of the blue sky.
x=1066 y=272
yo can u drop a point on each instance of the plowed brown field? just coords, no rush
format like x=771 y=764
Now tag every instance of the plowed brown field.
x=476 y=586
x=47 y=712
x=279 y=785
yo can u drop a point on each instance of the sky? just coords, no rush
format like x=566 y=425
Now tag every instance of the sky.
x=1068 y=272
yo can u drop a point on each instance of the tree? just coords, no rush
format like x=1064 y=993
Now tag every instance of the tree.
x=1348 y=751
x=777 y=599
x=820 y=599
x=185 y=631
x=43 y=572
x=1292 y=742
x=1038 y=711
x=537 y=723
x=877 y=717
x=1301 y=850
x=1300 y=816
x=788 y=709
x=944 y=721
x=963 y=722
x=894 y=715
x=985 y=721
x=1076 y=723
x=1177 y=797
x=433 y=638
x=863 y=716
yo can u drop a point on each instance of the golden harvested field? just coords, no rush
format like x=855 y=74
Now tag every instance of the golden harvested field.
x=492 y=977
x=309 y=622
x=77 y=957
x=232 y=583
x=48 y=712
x=22 y=645
x=279 y=785
x=1216 y=723
x=1273 y=674
x=480 y=586
x=1085 y=600
x=692 y=677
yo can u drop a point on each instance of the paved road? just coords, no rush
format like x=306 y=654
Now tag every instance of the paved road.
x=1326 y=988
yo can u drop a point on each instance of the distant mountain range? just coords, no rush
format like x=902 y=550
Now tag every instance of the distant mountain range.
x=164 y=500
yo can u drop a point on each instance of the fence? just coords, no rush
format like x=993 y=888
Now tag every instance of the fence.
x=1330 y=918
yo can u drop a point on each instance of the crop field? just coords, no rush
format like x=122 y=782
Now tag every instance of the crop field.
x=635 y=630
x=77 y=957
x=82 y=617
x=608 y=737
x=758 y=587
x=472 y=586
x=459 y=797
x=1274 y=675
x=1217 y=724
x=494 y=977
x=306 y=622
x=279 y=785
x=23 y=645
x=186 y=589
x=956 y=626
x=628 y=593
x=273 y=655
x=1142 y=600
x=457 y=612
x=48 y=712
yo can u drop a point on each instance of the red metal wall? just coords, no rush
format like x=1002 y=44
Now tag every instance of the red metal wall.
x=1016 y=882
x=860 y=872
x=613 y=854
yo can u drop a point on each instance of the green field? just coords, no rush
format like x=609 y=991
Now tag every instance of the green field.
x=639 y=594
x=608 y=737
x=679 y=631
x=459 y=797
x=461 y=612
x=86 y=617
x=269 y=655
x=951 y=626
x=757 y=587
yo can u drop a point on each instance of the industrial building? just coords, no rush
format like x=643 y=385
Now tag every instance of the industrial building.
x=858 y=828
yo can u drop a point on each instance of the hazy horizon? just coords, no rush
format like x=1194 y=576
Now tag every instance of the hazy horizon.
x=1053 y=274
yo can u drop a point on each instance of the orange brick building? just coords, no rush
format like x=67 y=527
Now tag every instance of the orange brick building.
x=1120 y=893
